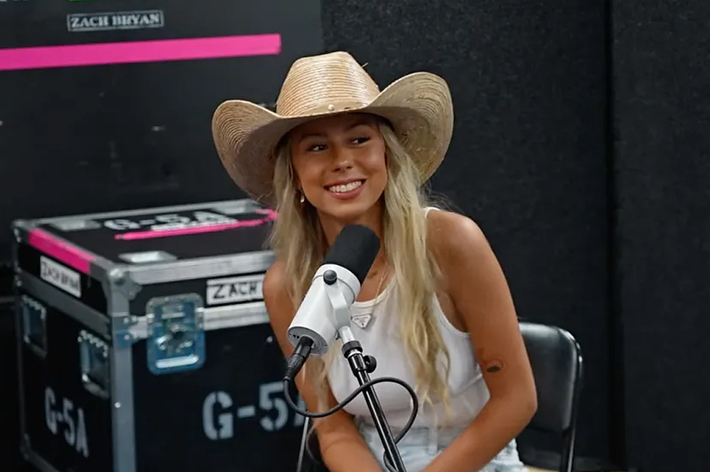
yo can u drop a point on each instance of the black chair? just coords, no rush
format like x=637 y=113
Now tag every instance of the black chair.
x=556 y=360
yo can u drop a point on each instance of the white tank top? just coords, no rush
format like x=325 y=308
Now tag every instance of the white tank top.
x=381 y=339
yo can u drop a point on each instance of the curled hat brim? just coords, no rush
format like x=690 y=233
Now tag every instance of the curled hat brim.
x=418 y=106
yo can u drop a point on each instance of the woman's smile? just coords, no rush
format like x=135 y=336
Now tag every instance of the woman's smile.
x=346 y=190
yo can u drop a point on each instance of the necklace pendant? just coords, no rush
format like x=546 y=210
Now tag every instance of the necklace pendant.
x=361 y=319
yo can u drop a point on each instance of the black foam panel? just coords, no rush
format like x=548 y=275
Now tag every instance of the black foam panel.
x=662 y=118
x=528 y=159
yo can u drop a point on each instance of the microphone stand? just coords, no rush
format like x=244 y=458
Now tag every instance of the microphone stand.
x=361 y=367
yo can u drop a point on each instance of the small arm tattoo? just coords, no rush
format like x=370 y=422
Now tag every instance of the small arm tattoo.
x=491 y=366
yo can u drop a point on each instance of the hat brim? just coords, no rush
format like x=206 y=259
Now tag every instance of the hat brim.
x=418 y=106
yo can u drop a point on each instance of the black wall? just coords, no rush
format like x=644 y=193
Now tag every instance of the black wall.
x=662 y=154
x=528 y=159
x=111 y=137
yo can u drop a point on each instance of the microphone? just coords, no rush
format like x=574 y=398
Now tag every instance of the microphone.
x=324 y=313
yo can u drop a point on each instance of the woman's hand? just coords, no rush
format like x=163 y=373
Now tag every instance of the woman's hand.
x=483 y=306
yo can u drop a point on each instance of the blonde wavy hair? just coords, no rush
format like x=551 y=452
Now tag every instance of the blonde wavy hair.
x=298 y=241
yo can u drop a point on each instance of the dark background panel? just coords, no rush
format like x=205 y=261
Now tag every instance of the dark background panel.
x=100 y=138
x=528 y=158
x=662 y=151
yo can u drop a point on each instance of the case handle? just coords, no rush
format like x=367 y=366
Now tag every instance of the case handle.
x=94 y=361
x=34 y=325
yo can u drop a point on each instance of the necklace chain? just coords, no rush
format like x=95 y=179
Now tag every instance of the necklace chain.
x=382 y=278
x=363 y=319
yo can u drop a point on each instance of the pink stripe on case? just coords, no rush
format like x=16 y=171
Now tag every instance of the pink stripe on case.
x=150 y=234
x=50 y=245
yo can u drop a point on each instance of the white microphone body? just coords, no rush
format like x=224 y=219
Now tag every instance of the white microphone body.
x=324 y=314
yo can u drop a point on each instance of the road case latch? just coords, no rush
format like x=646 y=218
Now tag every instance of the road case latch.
x=175 y=333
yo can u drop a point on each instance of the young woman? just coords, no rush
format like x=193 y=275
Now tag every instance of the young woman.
x=435 y=309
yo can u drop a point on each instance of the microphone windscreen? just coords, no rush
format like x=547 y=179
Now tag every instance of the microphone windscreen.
x=355 y=249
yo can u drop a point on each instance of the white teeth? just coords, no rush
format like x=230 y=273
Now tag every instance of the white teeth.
x=345 y=188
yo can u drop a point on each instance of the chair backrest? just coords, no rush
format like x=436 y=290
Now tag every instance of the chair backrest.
x=556 y=361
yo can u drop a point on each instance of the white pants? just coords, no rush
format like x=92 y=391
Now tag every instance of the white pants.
x=421 y=445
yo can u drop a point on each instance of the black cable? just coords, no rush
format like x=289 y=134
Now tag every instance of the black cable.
x=415 y=407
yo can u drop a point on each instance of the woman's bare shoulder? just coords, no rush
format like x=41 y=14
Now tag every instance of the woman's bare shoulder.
x=276 y=292
x=452 y=234
x=275 y=279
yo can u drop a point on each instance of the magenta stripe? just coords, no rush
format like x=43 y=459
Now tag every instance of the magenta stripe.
x=60 y=250
x=190 y=230
x=139 y=51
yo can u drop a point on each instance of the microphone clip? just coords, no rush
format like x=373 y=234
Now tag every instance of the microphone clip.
x=341 y=310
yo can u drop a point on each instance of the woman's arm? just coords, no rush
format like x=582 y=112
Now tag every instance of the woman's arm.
x=342 y=447
x=478 y=289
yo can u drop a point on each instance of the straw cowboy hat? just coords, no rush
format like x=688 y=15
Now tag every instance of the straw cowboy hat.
x=418 y=106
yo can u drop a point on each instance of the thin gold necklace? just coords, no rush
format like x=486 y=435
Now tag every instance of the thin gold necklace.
x=363 y=319
x=382 y=278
